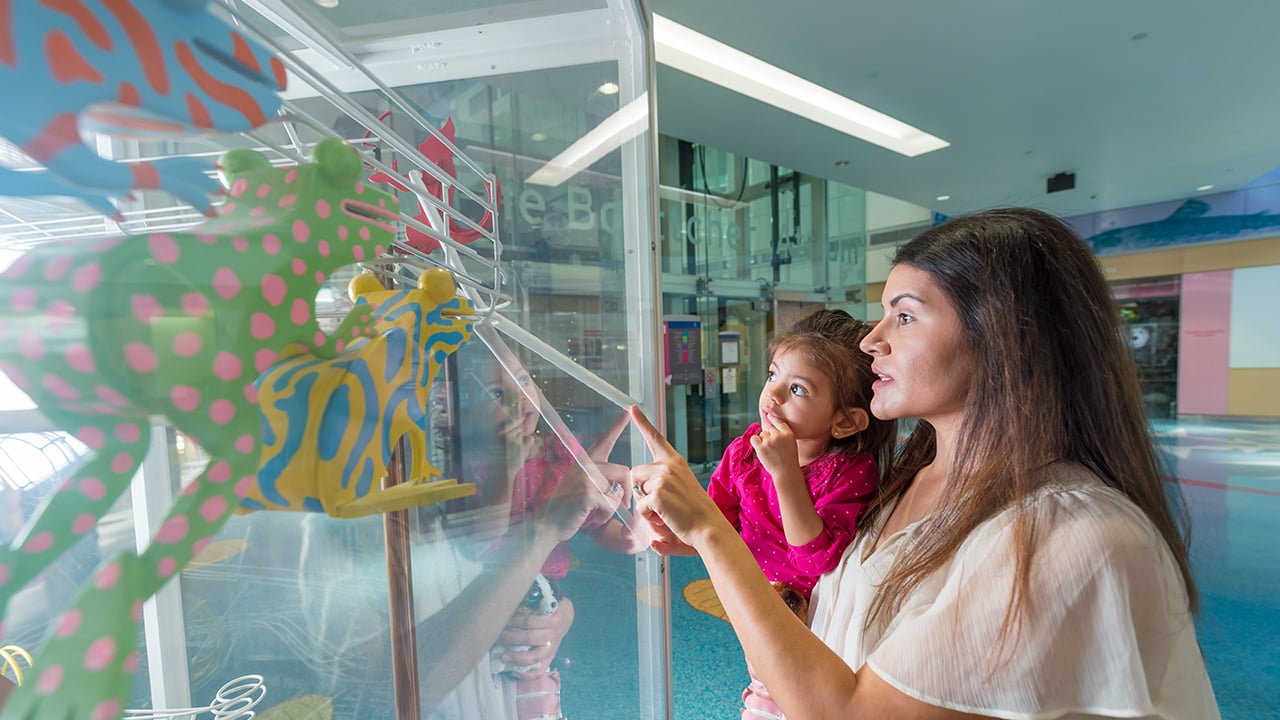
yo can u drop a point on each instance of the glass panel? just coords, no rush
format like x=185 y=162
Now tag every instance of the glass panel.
x=560 y=347
x=729 y=250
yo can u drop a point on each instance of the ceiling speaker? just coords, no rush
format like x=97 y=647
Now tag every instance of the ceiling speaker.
x=1061 y=181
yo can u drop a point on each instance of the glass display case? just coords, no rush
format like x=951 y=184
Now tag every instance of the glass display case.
x=518 y=139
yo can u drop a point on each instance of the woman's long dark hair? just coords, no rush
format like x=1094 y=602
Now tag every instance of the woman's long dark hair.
x=1053 y=380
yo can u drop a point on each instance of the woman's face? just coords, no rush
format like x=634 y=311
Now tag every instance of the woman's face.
x=924 y=368
x=500 y=415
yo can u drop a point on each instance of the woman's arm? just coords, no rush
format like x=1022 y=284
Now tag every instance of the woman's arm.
x=806 y=678
x=452 y=641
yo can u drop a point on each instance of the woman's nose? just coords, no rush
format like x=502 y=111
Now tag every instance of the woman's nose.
x=873 y=344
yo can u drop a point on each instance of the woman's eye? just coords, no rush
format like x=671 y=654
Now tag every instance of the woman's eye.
x=905 y=319
x=799 y=391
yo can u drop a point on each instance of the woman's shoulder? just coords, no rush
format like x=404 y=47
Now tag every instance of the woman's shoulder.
x=1075 y=498
x=1076 y=515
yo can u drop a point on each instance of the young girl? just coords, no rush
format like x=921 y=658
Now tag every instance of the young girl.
x=794 y=483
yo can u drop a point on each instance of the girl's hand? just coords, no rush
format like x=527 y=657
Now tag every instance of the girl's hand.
x=670 y=498
x=534 y=640
x=775 y=446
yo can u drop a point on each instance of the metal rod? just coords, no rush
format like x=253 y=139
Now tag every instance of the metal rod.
x=403 y=624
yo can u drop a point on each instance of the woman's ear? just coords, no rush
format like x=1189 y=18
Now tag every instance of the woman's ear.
x=849 y=421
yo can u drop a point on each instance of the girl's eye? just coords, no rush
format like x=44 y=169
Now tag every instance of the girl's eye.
x=799 y=391
x=496 y=393
x=772 y=376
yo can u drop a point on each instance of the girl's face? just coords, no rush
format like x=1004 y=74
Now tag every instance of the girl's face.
x=924 y=369
x=799 y=394
x=509 y=402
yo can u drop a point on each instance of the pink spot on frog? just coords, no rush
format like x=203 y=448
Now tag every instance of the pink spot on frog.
x=163 y=249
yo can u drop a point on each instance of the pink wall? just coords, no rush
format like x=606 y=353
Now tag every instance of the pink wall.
x=1203 y=343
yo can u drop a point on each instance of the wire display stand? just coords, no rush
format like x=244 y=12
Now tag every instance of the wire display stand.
x=235 y=700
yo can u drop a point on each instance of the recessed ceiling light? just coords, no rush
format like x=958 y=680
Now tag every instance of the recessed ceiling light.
x=842 y=163
x=609 y=88
x=692 y=52
x=538 y=137
x=1202 y=188
x=629 y=121
x=327 y=3
x=943 y=198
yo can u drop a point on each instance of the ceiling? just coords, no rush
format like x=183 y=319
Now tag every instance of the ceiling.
x=1144 y=100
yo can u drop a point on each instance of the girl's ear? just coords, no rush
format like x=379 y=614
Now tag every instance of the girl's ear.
x=849 y=421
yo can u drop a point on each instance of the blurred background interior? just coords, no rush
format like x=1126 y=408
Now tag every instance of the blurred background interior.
x=657 y=222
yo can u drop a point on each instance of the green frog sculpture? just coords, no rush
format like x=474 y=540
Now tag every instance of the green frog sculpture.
x=106 y=334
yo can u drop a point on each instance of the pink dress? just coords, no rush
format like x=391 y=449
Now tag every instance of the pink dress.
x=841 y=487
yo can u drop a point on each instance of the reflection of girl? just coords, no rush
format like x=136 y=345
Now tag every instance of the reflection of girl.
x=530 y=469
x=466 y=583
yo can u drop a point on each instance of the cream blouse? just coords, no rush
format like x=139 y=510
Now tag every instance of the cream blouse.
x=1107 y=633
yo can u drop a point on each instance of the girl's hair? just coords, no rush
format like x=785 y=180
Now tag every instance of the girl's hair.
x=829 y=340
x=1053 y=380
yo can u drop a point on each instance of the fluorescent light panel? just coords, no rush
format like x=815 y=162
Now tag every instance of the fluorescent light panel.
x=692 y=52
x=630 y=120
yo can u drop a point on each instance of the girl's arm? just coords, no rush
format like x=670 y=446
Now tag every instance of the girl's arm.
x=842 y=487
x=776 y=448
x=806 y=678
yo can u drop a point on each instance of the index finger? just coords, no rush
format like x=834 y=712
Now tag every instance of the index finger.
x=658 y=445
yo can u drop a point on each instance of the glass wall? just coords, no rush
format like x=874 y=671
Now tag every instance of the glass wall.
x=510 y=585
x=745 y=248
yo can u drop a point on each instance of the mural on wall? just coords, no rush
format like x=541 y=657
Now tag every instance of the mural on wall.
x=1251 y=212
x=1189 y=224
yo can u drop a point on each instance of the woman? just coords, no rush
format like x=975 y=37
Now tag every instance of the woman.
x=1021 y=559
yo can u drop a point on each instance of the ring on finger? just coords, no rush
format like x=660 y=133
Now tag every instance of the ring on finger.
x=613 y=488
x=640 y=489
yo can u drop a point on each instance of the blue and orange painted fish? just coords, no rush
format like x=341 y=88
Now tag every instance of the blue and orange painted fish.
x=125 y=68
